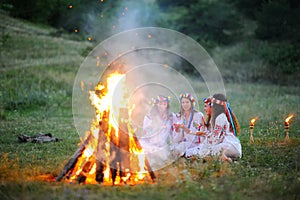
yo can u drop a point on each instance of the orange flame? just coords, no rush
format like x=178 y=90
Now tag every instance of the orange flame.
x=252 y=122
x=288 y=118
x=107 y=110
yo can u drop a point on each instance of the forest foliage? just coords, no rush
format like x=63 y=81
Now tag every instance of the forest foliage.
x=273 y=37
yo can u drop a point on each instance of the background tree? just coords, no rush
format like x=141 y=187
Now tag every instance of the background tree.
x=248 y=8
x=278 y=23
x=273 y=36
x=206 y=21
x=40 y=11
x=279 y=20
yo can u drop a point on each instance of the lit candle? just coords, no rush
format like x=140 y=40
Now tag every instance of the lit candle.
x=287 y=126
x=252 y=122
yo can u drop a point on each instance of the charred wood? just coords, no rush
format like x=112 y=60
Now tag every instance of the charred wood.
x=73 y=160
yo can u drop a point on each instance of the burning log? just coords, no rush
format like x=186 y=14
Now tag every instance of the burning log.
x=115 y=157
x=152 y=175
x=81 y=178
x=124 y=145
x=100 y=157
x=120 y=153
x=100 y=167
x=73 y=160
x=110 y=153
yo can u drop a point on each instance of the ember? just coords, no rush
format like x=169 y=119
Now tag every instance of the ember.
x=110 y=153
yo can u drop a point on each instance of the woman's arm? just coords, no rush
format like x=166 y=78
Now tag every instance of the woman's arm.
x=220 y=127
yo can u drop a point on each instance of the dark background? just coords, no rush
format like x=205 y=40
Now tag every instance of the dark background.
x=266 y=30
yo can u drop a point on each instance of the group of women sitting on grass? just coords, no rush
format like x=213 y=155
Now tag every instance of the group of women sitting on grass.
x=189 y=133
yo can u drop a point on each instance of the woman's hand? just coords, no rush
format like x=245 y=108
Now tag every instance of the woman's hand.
x=200 y=133
x=177 y=127
x=185 y=128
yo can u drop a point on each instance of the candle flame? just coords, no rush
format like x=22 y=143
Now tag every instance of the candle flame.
x=289 y=118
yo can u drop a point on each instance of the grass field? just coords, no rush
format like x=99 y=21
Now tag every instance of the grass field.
x=36 y=79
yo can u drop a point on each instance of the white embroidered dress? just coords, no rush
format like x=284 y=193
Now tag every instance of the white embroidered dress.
x=156 y=140
x=219 y=140
x=182 y=140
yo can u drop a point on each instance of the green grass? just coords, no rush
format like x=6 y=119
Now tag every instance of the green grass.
x=36 y=80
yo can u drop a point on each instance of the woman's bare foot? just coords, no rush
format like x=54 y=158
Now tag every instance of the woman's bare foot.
x=224 y=158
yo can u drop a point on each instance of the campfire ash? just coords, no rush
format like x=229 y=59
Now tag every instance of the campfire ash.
x=110 y=153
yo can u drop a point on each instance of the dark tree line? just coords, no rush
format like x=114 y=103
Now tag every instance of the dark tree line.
x=211 y=22
x=278 y=25
x=40 y=11
x=218 y=21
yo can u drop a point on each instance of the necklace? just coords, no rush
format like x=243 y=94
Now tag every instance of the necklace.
x=189 y=121
x=188 y=124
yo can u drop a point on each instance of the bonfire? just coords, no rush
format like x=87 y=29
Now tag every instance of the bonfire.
x=110 y=153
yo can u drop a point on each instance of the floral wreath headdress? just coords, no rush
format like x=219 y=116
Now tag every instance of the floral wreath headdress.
x=207 y=101
x=160 y=98
x=228 y=111
x=189 y=97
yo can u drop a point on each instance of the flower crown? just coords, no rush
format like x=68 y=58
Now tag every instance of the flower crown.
x=228 y=113
x=160 y=98
x=217 y=101
x=187 y=96
x=207 y=100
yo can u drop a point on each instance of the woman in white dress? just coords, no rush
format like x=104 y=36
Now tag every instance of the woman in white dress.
x=222 y=139
x=186 y=123
x=157 y=128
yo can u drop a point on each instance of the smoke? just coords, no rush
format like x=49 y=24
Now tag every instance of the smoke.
x=135 y=14
x=149 y=57
x=101 y=20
